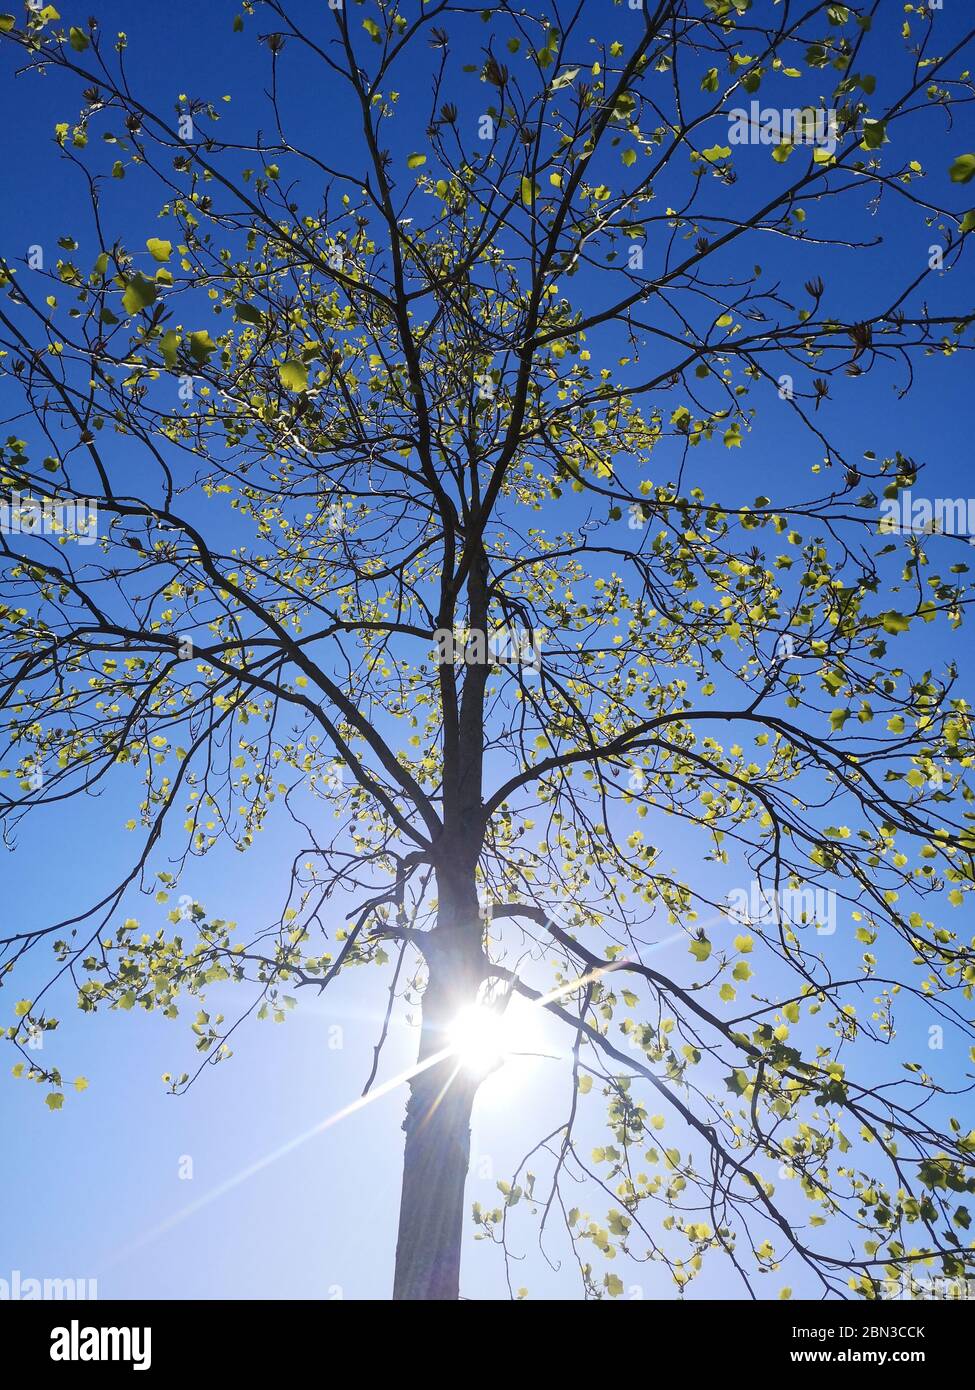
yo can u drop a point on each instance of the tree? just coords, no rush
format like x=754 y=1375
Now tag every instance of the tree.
x=413 y=521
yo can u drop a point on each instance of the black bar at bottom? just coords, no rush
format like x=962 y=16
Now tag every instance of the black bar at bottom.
x=171 y=1338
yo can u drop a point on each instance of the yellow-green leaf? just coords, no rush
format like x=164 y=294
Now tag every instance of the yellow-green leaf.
x=139 y=294
x=963 y=169
x=294 y=376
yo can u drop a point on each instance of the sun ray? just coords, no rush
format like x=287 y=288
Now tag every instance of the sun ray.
x=452 y=1049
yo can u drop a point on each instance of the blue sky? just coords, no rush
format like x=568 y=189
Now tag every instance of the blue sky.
x=95 y=1190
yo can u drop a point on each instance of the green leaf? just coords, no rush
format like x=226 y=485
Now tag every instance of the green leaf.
x=201 y=345
x=248 y=314
x=565 y=79
x=139 y=294
x=54 y=1100
x=416 y=161
x=294 y=376
x=7 y=22
x=159 y=250
x=894 y=622
x=78 y=39
x=372 y=29
x=700 y=949
x=168 y=344
x=21 y=1007
x=963 y=169
x=874 y=135
x=529 y=191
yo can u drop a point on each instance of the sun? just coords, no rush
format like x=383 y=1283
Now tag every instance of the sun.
x=483 y=1037
x=479 y=1038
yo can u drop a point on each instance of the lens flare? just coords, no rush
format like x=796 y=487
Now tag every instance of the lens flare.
x=480 y=1038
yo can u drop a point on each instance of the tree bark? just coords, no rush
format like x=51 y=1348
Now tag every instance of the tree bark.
x=438 y=1115
x=435 y=1163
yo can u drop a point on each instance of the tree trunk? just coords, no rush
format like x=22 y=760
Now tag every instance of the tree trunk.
x=435 y=1162
x=438 y=1114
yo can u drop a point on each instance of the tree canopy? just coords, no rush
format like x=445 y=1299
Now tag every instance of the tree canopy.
x=485 y=359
